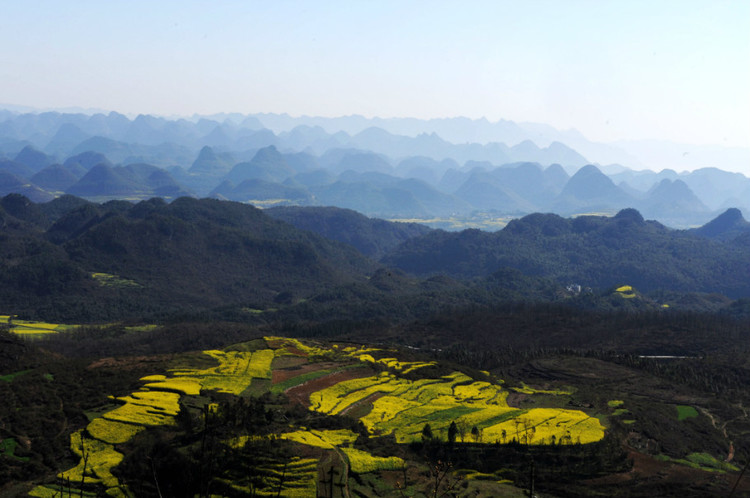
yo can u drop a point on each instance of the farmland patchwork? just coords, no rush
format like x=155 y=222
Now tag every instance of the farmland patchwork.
x=335 y=380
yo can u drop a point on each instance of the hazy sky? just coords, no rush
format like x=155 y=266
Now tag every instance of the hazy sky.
x=613 y=69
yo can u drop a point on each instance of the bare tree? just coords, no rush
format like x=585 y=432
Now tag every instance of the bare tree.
x=85 y=456
x=441 y=479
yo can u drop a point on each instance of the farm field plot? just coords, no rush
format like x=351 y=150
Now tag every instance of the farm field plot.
x=234 y=373
x=301 y=393
x=110 y=280
x=403 y=367
x=406 y=406
x=283 y=380
x=327 y=439
x=111 y=431
x=97 y=467
x=30 y=328
x=337 y=398
x=182 y=385
x=287 y=346
x=360 y=461
x=363 y=462
x=95 y=446
x=146 y=408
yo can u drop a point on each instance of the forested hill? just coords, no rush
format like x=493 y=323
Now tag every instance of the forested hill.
x=78 y=260
x=373 y=237
x=592 y=251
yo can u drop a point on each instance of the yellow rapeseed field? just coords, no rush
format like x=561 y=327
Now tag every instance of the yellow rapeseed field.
x=405 y=406
x=281 y=345
x=393 y=405
x=146 y=408
x=322 y=439
x=235 y=371
x=182 y=385
x=362 y=462
x=401 y=366
x=547 y=426
x=158 y=404
x=111 y=431
x=102 y=458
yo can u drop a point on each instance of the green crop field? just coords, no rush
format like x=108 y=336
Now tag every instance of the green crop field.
x=685 y=412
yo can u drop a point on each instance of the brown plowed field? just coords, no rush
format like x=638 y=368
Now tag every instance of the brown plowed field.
x=301 y=394
x=282 y=374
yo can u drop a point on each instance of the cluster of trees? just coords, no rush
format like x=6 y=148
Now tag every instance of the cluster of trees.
x=552 y=468
x=194 y=459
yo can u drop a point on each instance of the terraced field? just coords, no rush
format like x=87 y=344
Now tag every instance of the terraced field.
x=334 y=380
x=296 y=478
x=156 y=404
x=402 y=407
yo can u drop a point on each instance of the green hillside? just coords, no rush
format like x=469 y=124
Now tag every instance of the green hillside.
x=592 y=251
x=187 y=255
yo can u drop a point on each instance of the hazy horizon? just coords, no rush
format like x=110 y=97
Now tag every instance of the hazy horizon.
x=613 y=71
x=636 y=155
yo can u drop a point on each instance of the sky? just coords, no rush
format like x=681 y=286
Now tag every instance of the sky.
x=612 y=69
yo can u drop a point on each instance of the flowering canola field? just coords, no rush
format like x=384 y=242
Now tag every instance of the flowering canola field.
x=30 y=328
x=157 y=403
x=362 y=462
x=387 y=403
x=402 y=407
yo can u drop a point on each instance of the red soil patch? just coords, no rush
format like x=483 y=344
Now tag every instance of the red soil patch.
x=283 y=343
x=133 y=362
x=296 y=351
x=301 y=394
x=514 y=399
x=354 y=406
x=284 y=373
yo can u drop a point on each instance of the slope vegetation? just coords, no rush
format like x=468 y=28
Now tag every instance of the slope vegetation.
x=593 y=251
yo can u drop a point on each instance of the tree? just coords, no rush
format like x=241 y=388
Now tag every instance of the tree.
x=462 y=430
x=426 y=432
x=452 y=431
x=529 y=431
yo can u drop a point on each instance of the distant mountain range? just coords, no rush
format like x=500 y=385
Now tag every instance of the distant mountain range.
x=388 y=171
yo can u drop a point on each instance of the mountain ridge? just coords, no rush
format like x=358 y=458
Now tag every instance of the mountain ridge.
x=185 y=149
